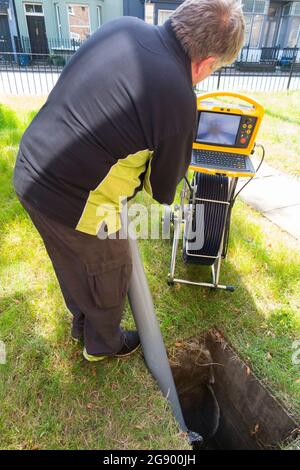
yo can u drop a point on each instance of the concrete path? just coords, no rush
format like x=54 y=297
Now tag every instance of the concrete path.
x=277 y=196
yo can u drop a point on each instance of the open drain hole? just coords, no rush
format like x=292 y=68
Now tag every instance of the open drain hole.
x=224 y=401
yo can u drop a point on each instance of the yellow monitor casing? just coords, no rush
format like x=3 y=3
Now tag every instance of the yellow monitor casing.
x=254 y=111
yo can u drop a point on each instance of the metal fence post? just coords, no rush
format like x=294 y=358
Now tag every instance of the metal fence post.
x=219 y=78
x=292 y=69
x=248 y=47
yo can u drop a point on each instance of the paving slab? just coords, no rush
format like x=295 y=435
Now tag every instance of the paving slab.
x=287 y=218
x=265 y=170
x=272 y=192
x=276 y=195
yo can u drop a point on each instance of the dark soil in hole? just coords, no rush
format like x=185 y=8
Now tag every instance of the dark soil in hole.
x=224 y=401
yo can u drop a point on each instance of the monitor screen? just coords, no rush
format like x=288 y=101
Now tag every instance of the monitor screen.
x=216 y=128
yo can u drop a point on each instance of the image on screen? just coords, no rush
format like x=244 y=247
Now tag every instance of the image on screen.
x=220 y=129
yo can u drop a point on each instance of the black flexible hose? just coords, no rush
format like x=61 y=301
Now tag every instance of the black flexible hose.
x=188 y=183
x=216 y=216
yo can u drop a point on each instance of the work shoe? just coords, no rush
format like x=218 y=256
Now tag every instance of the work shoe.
x=131 y=344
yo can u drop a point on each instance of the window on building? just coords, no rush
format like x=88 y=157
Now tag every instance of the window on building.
x=149 y=13
x=296 y=9
x=254 y=26
x=255 y=13
x=79 y=21
x=255 y=6
x=33 y=9
x=163 y=15
x=248 y=6
x=248 y=22
x=256 y=30
x=286 y=9
x=99 y=15
x=282 y=31
x=293 y=39
x=269 y=32
x=289 y=32
x=261 y=6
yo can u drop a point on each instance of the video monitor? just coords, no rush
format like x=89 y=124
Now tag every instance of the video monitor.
x=218 y=129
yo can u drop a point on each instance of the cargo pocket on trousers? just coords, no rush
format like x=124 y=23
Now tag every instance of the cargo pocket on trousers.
x=109 y=287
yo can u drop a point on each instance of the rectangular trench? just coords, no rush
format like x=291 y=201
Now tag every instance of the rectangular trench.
x=224 y=401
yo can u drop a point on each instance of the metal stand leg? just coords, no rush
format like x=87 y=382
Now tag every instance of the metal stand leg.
x=213 y=274
x=177 y=232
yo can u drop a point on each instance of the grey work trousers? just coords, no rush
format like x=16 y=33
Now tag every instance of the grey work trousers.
x=94 y=276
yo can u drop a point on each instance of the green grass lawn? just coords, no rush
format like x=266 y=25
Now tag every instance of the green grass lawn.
x=280 y=130
x=51 y=398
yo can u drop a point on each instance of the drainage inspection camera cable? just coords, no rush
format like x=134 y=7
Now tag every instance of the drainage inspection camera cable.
x=250 y=179
x=188 y=183
x=228 y=222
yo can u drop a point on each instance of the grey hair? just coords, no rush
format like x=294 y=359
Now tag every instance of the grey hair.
x=208 y=28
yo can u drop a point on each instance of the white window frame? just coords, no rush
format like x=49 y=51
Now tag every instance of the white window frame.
x=34 y=13
x=79 y=25
x=99 y=15
x=252 y=15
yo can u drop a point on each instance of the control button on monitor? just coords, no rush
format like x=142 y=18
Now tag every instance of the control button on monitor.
x=243 y=140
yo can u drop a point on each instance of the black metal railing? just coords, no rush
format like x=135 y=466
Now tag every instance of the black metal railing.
x=229 y=78
x=266 y=69
x=29 y=74
x=47 y=50
x=34 y=69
